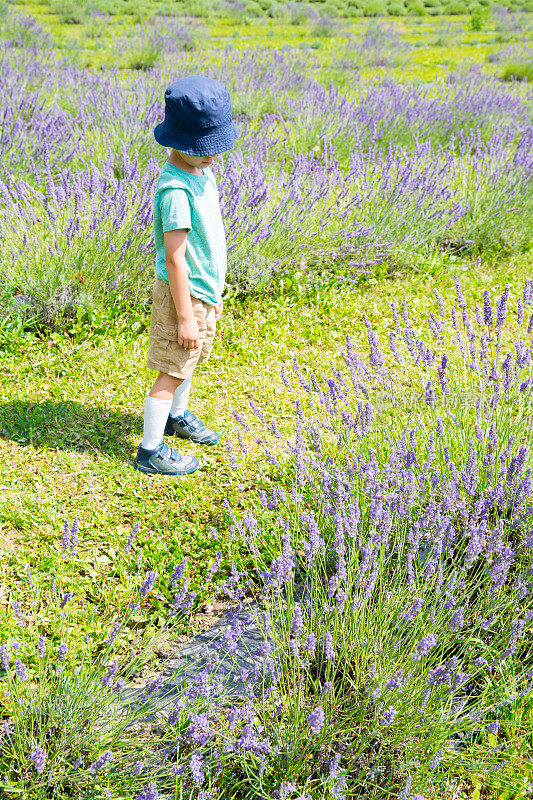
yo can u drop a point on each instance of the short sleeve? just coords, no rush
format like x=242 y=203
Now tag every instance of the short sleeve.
x=175 y=210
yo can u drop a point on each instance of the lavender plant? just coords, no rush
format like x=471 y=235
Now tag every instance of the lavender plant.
x=408 y=524
x=321 y=176
x=71 y=723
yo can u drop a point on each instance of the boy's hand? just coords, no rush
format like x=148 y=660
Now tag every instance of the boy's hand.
x=188 y=334
x=218 y=310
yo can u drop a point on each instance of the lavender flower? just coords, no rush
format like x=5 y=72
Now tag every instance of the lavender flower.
x=67 y=597
x=39 y=759
x=149 y=792
x=108 y=679
x=424 y=646
x=149 y=580
x=41 y=646
x=316 y=720
x=101 y=761
x=196 y=763
x=131 y=537
x=329 y=651
x=388 y=716
x=4 y=656
x=63 y=650
x=20 y=669
x=18 y=612
x=113 y=633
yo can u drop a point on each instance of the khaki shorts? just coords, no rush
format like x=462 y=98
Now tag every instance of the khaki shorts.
x=164 y=352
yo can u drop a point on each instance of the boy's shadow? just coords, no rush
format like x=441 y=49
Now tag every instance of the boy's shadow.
x=70 y=426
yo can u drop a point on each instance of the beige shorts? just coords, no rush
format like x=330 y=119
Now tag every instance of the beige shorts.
x=164 y=352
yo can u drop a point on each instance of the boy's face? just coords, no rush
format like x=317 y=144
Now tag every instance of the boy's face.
x=197 y=161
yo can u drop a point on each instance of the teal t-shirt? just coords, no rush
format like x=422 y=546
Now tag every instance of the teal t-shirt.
x=190 y=201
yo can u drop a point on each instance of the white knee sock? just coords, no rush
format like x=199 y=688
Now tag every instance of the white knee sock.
x=155 y=418
x=180 y=401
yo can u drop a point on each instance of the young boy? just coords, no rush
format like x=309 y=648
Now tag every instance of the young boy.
x=190 y=266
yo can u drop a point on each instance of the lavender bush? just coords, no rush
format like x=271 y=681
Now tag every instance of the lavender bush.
x=71 y=724
x=321 y=176
x=397 y=624
x=406 y=514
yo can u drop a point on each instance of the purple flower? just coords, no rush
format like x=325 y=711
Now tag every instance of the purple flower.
x=175 y=713
x=494 y=727
x=39 y=759
x=149 y=580
x=329 y=652
x=487 y=309
x=458 y=620
x=297 y=621
x=310 y=645
x=316 y=720
x=20 y=669
x=67 y=597
x=41 y=646
x=18 y=612
x=388 y=716
x=108 y=679
x=149 y=792
x=154 y=684
x=131 y=537
x=113 y=633
x=502 y=307
x=102 y=759
x=63 y=650
x=195 y=764
x=424 y=646
x=4 y=656
x=179 y=572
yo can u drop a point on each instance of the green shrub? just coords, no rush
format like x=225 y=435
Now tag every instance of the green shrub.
x=144 y=56
x=478 y=18
x=353 y=11
x=415 y=8
x=253 y=8
x=519 y=72
x=198 y=8
x=395 y=8
x=68 y=12
x=374 y=8
x=456 y=7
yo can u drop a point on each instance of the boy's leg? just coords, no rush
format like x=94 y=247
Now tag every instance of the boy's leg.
x=180 y=401
x=156 y=410
x=153 y=455
x=182 y=422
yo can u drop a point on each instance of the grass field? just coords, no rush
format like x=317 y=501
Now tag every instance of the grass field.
x=73 y=376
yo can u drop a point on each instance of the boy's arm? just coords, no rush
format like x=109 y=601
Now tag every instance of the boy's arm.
x=178 y=279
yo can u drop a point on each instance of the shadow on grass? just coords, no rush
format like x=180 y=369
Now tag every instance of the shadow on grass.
x=66 y=425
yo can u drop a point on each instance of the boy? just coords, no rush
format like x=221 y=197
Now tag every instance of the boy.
x=190 y=266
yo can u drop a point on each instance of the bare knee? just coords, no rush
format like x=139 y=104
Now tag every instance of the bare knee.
x=164 y=387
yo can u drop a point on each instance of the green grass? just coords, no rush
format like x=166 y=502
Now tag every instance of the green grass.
x=71 y=419
x=441 y=43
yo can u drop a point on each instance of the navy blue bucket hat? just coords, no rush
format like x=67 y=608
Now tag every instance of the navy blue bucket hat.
x=198 y=118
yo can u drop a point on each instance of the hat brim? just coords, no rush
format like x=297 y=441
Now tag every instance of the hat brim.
x=215 y=142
